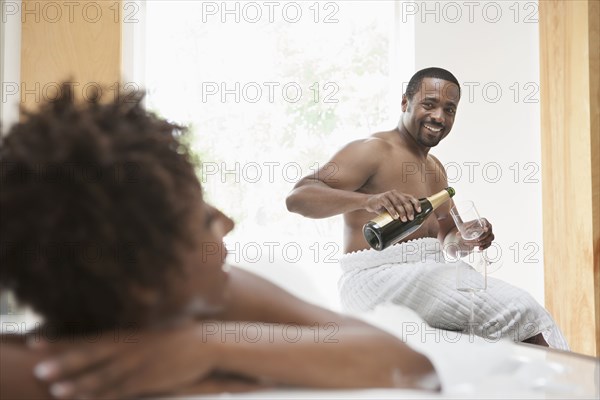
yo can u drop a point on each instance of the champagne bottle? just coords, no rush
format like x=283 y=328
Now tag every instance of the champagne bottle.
x=384 y=231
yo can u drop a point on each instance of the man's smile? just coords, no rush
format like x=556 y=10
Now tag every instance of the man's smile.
x=433 y=128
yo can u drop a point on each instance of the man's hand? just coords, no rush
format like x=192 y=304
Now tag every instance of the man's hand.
x=482 y=242
x=399 y=205
x=154 y=363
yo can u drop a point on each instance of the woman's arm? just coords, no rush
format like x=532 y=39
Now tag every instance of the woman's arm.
x=265 y=334
x=305 y=345
x=16 y=370
x=330 y=356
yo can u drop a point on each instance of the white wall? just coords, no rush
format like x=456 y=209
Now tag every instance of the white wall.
x=493 y=130
x=10 y=62
x=10 y=56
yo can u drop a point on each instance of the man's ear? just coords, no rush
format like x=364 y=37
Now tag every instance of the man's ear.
x=404 y=103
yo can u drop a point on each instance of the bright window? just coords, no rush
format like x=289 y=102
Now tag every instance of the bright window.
x=271 y=90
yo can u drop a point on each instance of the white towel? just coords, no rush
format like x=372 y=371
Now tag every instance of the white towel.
x=416 y=275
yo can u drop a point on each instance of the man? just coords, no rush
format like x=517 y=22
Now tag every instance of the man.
x=106 y=235
x=389 y=171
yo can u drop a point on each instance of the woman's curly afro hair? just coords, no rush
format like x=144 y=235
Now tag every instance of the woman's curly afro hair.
x=95 y=197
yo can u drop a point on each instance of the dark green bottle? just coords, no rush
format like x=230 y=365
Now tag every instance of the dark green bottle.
x=384 y=231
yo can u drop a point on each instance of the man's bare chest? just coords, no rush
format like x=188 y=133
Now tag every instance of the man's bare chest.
x=417 y=178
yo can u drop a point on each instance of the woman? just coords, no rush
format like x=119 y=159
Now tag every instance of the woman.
x=106 y=235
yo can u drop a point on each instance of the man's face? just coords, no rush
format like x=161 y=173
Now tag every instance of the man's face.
x=429 y=115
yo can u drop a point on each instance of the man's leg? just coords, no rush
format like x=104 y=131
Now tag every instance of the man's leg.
x=429 y=289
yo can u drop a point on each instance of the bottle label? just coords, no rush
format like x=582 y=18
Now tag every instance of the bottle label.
x=383 y=219
x=439 y=198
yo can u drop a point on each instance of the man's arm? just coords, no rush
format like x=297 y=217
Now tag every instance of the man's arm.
x=448 y=233
x=447 y=228
x=334 y=188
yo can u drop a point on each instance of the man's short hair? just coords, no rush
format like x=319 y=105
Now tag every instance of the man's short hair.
x=95 y=199
x=414 y=85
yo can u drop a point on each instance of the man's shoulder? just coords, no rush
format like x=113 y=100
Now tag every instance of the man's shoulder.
x=376 y=139
x=438 y=165
x=386 y=138
x=372 y=145
x=436 y=161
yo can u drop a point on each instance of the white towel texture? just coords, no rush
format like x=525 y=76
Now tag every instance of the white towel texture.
x=416 y=274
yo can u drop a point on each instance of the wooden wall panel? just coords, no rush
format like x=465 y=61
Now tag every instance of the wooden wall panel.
x=594 y=48
x=75 y=40
x=571 y=167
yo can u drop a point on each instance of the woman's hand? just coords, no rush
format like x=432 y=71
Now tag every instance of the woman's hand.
x=153 y=363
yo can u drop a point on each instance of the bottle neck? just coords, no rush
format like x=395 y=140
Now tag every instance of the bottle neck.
x=439 y=198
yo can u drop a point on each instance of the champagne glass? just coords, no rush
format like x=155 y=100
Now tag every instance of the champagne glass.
x=471 y=278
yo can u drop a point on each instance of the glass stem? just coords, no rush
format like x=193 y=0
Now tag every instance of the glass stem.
x=472 y=316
